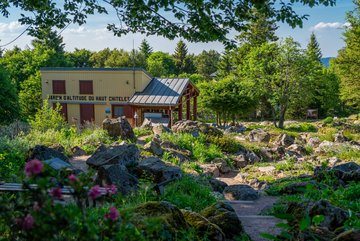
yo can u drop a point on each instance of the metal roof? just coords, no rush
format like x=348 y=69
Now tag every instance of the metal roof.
x=161 y=92
x=88 y=69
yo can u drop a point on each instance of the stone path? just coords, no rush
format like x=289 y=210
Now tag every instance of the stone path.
x=79 y=162
x=253 y=223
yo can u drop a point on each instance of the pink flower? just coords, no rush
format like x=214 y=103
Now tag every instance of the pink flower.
x=26 y=222
x=94 y=192
x=113 y=214
x=73 y=178
x=56 y=193
x=111 y=189
x=33 y=167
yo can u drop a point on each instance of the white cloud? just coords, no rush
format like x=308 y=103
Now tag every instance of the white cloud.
x=330 y=25
x=10 y=27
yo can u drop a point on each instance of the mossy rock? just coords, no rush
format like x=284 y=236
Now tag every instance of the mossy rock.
x=158 y=220
x=224 y=216
x=203 y=226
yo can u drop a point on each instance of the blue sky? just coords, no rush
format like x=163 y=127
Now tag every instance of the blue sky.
x=326 y=22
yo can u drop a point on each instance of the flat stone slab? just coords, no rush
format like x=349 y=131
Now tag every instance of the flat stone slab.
x=253 y=223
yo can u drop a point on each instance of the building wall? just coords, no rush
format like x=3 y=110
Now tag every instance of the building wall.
x=110 y=87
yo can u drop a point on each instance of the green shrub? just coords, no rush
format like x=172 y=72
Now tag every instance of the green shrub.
x=301 y=127
x=328 y=120
x=142 y=131
x=48 y=118
x=226 y=143
x=190 y=193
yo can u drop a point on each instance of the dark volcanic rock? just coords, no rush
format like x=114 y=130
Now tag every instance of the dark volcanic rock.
x=43 y=153
x=217 y=185
x=284 y=140
x=154 y=148
x=127 y=155
x=158 y=170
x=349 y=235
x=259 y=135
x=203 y=226
x=224 y=216
x=334 y=217
x=240 y=192
x=119 y=127
x=346 y=172
x=117 y=175
x=158 y=219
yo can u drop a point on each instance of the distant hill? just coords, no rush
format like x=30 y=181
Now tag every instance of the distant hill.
x=326 y=61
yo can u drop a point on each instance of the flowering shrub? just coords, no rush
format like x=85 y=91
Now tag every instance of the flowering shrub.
x=47 y=213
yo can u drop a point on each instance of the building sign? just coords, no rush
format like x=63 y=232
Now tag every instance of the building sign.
x=91 y=98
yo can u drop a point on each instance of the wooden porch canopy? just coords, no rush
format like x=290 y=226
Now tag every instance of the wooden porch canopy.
x=169 y=95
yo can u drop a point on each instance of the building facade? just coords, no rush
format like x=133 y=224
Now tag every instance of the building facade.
x=93 y=94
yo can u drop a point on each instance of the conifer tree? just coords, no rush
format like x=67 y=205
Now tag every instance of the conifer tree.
x=347 y=63
x=313 y=49
x=180 y=57
x=145 y=49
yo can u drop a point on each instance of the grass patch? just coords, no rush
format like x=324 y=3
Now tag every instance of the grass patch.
x=301 y=127
x=142 y=131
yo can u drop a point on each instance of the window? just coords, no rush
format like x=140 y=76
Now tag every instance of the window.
x=58 y=87
x=86 y=87
x=118 y=111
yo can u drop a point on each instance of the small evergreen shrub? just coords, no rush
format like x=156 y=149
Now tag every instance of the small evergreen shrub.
x=328 y=120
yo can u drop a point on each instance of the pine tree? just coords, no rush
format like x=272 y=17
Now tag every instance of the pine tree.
x=225 y=65
x=145 y=49
x=313 y=49
x=347 y=63
x=180 y=57
x=49 y=38
x=260 y=30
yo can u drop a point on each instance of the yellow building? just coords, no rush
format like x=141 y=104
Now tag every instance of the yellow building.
x=92 y=94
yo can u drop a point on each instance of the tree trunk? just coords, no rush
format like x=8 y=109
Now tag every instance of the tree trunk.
x=282 y=117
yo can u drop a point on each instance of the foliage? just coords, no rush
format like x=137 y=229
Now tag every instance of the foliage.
x=48 y=118
x=226 y=143
x=301 y=127
x=189 y=192
x=206 y=62
x=201 y=150
x=160 y=64
x=79 y=58
x=347 y=63
x=30 y=95
x=182 y=60
x=192 y=20
x=142 y=131
x=8 y=99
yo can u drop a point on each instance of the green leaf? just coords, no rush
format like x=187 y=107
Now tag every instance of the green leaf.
x=268 y=236
x=318 y=219
x=305 y=222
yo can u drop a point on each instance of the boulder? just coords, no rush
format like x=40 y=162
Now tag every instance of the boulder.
x=314 y=141
x=346 y=172
x=126 y=154
x=259 y=135
x=195 y=128
x=43 y=153
x=224 y=216
x=252 y=157
x=222 y=165
x=240 y=161
x=240 y=192
x=326 y=146
x=77 y=151
x=158 y=219
x=238 y=129
x=298 y=149
x=339 y=137
x=210 y=169
x=203 y=226
x=119 y=127
x=154 y=148
x=147 y=124
x=159 y=129
x=297 y=187
x=158 y=170
x=334 y=217
x=58 y=164
x=118 y=175
x=217 y=185
x=349 y=235
x=284 y=140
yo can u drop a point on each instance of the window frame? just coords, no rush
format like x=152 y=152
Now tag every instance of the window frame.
x=55 y=90
x=86 y=82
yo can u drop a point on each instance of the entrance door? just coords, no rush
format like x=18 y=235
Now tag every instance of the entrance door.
x=87 y=113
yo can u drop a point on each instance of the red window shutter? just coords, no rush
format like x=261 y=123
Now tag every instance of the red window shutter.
x=86 y=87
x=58 y=87
x=128 y=111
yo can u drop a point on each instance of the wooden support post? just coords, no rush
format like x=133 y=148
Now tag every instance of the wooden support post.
x=180 y=109
x=170 y=118
x=195 y=107
x=188 y=114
